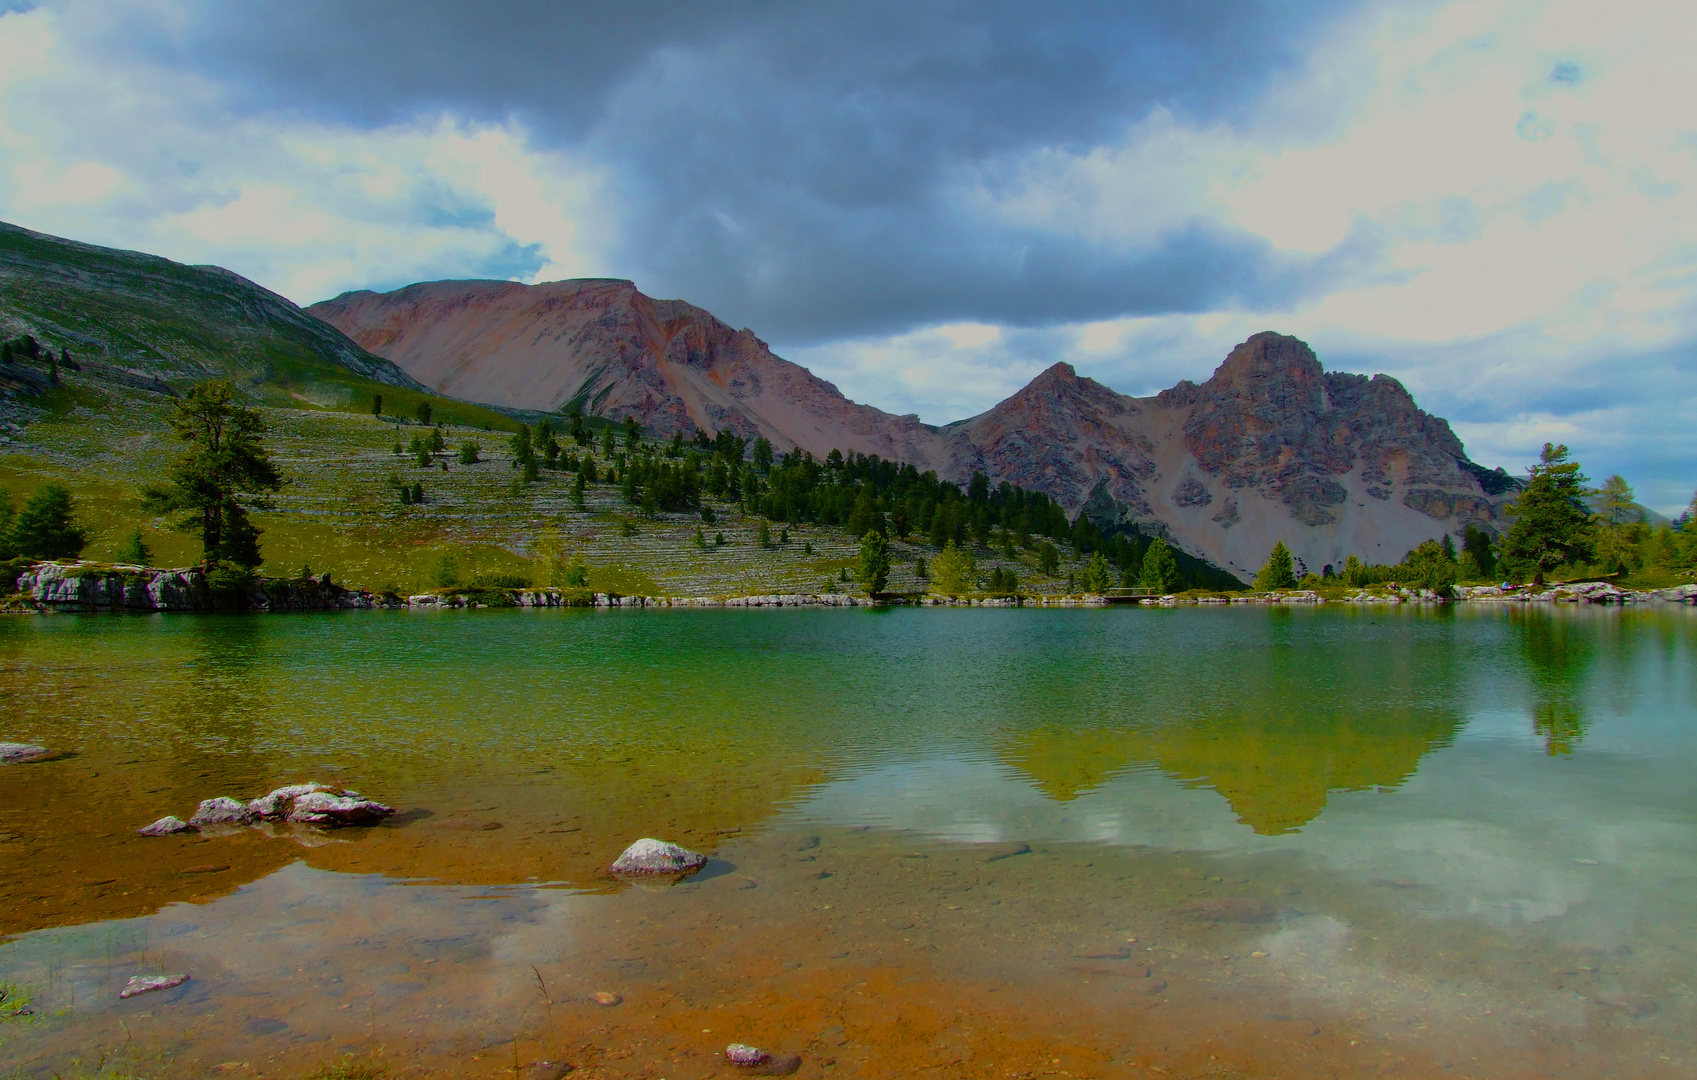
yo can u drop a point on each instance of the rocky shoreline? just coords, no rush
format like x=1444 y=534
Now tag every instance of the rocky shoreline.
x=52 y=586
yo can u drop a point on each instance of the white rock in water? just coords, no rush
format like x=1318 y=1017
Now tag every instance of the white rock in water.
x=276 y=804
x=146 y=984
x=649 y=856
x=16 y=753
x=168 y=826
x=222 y=811
x=323 y=808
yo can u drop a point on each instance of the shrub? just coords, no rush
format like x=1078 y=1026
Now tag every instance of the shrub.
x=499 y=580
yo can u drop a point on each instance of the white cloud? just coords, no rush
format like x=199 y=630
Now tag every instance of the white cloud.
x=1526 y=171
x=135 y=155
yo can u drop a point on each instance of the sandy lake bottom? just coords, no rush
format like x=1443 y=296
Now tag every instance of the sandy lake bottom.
x=1167 y=843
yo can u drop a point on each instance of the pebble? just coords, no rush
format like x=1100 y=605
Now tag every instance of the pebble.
x=146 y=984
x=17 y=753
x=546 y=1070
x=605 y=999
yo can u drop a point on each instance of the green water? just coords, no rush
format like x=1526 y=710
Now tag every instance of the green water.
x=1488 y=804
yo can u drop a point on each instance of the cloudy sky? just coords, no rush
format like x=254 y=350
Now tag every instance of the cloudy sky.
x=930 y=202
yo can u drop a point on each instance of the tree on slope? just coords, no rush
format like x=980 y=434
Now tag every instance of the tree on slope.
x=46 y=527
x=1160 y=568
x=1550 y=518
x=1618 y=504
x=1096 y=577
x=224 y=473
x=1279 y=573
x=873 y=570
x=953 y=570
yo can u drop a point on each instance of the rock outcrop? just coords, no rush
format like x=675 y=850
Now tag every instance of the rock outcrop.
x=1271 y=447
x=84 y=586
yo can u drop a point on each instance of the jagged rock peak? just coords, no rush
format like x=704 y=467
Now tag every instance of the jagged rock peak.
x=1264 y=358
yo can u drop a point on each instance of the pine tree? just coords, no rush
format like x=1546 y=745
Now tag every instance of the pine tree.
x=1280 y=571
x=1096 y=577
x=1160 y=573
x=135 y=551
x=46 y=528
x=225 y=472
x=1550 y=517
x=376 y=404
x=873 y=570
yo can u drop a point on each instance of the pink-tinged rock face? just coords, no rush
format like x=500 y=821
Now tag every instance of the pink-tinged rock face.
x=1271 y=447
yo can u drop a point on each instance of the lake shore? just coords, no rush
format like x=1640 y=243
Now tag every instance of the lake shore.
x=89 y=586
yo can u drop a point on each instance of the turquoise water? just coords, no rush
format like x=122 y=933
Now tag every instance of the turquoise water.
x=1464 y=834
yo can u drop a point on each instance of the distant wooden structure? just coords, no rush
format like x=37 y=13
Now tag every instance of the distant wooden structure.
x=1129 y=595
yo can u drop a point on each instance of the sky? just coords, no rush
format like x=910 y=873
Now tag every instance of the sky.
x=928 y=203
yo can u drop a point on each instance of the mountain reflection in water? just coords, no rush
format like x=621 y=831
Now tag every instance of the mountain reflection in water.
x=1375 y=824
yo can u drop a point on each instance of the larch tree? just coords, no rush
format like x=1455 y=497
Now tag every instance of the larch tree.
x=1551 y=521
x=224 y=473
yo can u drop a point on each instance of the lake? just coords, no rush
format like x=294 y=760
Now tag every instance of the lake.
x=1455 y=841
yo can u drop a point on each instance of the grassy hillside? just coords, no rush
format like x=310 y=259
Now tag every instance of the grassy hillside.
x=139 y=321
x=341 y=511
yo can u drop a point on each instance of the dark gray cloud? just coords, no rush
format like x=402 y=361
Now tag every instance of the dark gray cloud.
x=793 y=166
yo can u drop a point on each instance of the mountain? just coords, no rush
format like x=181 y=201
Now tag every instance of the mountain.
x=152 y=323
x=1271 y=447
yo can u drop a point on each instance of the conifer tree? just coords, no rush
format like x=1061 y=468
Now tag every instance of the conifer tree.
x=223 y=474
x=953 y=570
x=46 y=528
x=873 y=570
x=423 y=412
x=1550 y=517
x=1160 y=572
x=1280 y=571
x=1096 y=577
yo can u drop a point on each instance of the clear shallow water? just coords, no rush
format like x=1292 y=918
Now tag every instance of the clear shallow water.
x=1462 y=842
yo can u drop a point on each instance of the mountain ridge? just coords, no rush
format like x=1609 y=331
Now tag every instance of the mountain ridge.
x=1270 y=447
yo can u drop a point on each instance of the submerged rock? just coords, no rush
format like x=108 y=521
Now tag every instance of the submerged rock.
x=17 y=753
x=324 y=808
x=222 y=811
x=1232 y=909
x=168 y=826
x=146 y=984
x=650 y=856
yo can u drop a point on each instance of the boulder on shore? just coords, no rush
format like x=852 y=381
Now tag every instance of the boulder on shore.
x=17 y=753
x=650 y=856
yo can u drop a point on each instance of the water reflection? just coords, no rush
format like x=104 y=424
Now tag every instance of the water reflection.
x=1558 y=650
